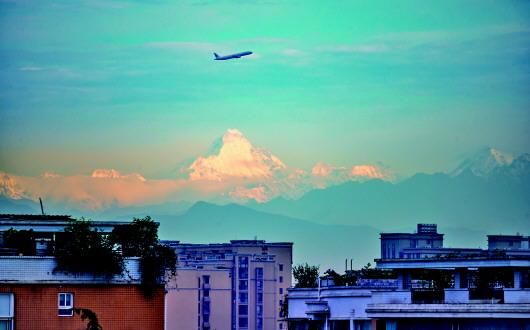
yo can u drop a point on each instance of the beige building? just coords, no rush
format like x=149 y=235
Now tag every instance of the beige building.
x=239 y=285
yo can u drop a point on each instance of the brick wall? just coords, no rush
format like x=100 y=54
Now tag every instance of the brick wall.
x=118 y=307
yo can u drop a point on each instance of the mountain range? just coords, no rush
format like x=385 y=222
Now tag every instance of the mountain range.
x=329 y=212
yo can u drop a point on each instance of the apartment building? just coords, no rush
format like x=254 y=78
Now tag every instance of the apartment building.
x=34 y=295
x=239 y=285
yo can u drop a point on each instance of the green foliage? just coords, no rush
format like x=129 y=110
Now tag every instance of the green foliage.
x=350 y=278
x=136 y=238
x=306 y=276
x=367 y=272
x=338 y=279
x=140 y=239
x=93 y=323
x=21 y=240
x=82 y=250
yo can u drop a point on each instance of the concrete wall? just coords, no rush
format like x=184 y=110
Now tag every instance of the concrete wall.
x=185 y=294
x=516 y=296
x=392 y=297
x=456 y=296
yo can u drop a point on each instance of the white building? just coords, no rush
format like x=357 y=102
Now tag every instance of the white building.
x=484 y=289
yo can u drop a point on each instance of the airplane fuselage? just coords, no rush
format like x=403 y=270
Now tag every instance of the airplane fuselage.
x=229 y=57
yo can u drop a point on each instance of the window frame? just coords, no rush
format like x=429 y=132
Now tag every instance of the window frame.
x=69 y=307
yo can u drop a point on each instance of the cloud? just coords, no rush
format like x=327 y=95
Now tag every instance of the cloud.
x=103 y=173
x=30 y=68
x=292 y=52
x=92 y=192
x=353 y=48
x=187 y=46
x=233 y=170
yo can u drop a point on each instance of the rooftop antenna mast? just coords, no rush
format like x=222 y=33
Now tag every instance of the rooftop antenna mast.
x=41 y=207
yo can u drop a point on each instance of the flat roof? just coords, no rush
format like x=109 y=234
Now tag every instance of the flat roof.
x=407 y=235
x=434 y=263
x=233 y=243
x=43 y=223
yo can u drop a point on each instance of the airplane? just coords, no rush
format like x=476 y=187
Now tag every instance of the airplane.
x=229 y=57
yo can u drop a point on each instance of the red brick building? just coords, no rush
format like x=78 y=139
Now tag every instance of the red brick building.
x=33 y=295
x=118 y=307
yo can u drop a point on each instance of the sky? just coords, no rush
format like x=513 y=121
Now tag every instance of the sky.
x=132 y=85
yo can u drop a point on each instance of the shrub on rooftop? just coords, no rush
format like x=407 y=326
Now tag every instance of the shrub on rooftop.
x=85 y=250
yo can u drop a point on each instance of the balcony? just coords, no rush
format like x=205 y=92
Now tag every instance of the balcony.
x=317 y=310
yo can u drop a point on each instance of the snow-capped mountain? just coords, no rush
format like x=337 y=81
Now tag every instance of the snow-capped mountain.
x=485 y=162
x=234 y=157
x=233 y=170
x=252 y=173
x=491 y=162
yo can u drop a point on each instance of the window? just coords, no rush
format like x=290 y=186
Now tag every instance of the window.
x=243 y=285
x=205 y=307
x=281 y=326
x=281 y=267
x=281 y=290
x=243 y=262
x=243 y=297
x=7 y=311
x=281 y=279
x=206 y=279
x=243 y=322
x=65 y=304
x=243 y=272
x=243 y=310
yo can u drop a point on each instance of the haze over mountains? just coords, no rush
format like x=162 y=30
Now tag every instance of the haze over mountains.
x=329 y=212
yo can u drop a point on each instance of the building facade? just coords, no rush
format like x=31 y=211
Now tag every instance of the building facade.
x=34 y=295
x=433 y=288
x=238 y=285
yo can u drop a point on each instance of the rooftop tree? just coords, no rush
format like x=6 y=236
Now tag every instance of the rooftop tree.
x=306 y=276
x=140 y=239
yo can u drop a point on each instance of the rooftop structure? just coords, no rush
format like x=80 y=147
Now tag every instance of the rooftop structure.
x=452 y=288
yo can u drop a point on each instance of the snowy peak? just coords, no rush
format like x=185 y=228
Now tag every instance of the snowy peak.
x=234 y=157
x=485 y=162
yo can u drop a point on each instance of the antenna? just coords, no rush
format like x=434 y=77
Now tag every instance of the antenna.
x=41 y=207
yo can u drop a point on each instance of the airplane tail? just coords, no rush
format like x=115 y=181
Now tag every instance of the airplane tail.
x=216 y=55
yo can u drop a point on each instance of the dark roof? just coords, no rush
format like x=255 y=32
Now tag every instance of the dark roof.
x=35 y=217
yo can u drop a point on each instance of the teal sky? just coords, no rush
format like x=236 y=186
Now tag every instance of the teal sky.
x=132 y=85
